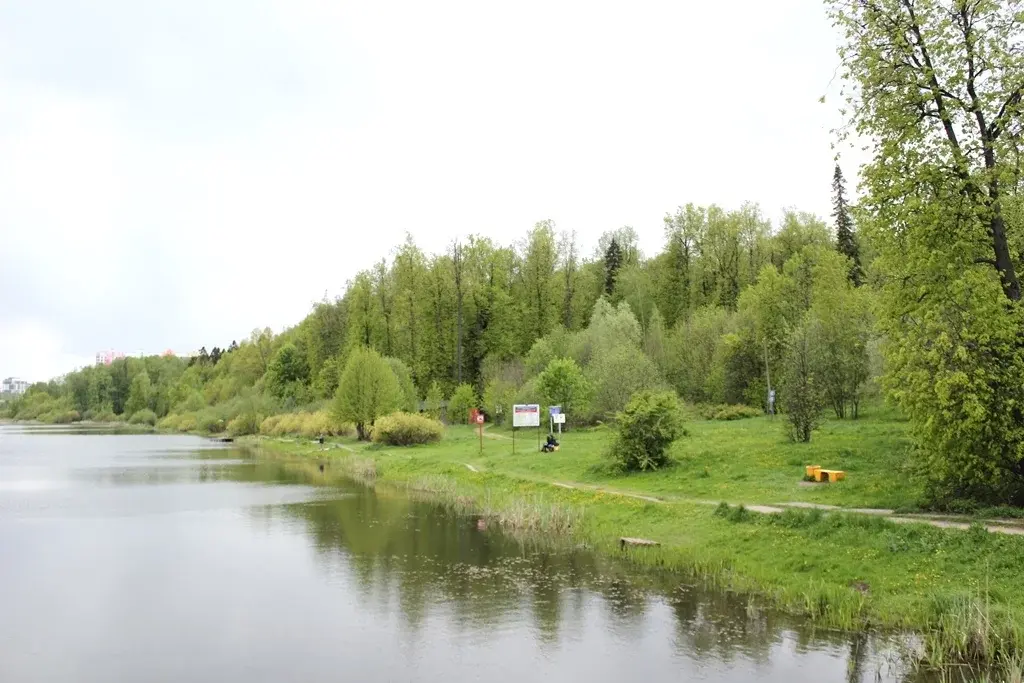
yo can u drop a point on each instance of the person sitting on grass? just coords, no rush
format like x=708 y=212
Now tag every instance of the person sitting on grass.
x=550 y=445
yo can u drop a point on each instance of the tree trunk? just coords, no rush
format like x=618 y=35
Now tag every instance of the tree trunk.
x=1000 y=247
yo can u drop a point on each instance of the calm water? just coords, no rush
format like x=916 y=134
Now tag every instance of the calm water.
x=168 y=558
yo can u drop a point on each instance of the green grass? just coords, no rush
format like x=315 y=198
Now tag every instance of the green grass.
x=748 y=461
x=842 y=570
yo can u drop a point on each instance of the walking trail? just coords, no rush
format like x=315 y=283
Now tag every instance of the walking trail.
x=1011 y=527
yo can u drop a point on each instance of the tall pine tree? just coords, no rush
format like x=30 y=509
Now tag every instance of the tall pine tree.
x=846 y=240
x=612 y=263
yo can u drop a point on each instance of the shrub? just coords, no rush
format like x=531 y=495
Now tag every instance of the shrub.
x=105 y=416
x=725 y=411
x=144 y=416
x=269 y=425
x=209 y=421
x=63 y=417
x=169 y=422
x=562 y=383
x=650 y=423
x=304 y=424
x=433 y=401
x=405 y=429
x=247 y=423
x=187 y=423
x=460 y=404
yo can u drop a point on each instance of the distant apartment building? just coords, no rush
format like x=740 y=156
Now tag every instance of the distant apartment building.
x=13 y=385
x=108 y=357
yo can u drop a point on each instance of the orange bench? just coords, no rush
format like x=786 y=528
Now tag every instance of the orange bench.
x=816 y=473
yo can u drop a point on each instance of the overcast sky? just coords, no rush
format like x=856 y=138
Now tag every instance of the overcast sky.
x=175 y=173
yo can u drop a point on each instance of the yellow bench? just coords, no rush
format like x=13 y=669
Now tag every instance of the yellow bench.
x=818 y=474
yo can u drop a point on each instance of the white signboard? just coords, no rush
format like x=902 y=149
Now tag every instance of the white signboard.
x=559 y=418
x=526 y=415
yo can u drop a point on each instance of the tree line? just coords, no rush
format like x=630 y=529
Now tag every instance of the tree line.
x=485 y=325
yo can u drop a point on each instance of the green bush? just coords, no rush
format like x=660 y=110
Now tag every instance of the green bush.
x=650 y=423
x=247 y=423
x=169 y=422
x=405 y=429
x=144 y=416
x=460 y=404
x=726 y=411
x=209 y=421
x=187 y=423
x=63 y=417
x=309 y=425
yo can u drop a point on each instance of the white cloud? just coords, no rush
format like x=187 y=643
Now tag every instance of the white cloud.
x=185 y=174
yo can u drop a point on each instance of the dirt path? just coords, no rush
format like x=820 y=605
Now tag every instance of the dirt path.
x=1010 y=527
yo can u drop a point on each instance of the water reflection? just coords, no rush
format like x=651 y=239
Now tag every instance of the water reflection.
x=125 y=551
x=416 y=557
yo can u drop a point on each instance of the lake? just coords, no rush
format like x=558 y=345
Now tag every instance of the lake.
x=173 y=558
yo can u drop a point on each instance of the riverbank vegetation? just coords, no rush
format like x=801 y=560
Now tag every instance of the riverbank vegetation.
x=842 y=570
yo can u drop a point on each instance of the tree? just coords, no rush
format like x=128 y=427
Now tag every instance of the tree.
x=539 y=260
x=457 y=278
x=326 y=382
x=936 y=86
x=562 y=384
x=612 y=263
x=802 y=393
x=139 y=395
x=569 y=268
x=287 y=372
x=410 y=402
x=367 y=390
x=842 y=330
x=462 y=401
x=846 y=240
x=499 y=395
x=615 y=376
x=434 y=400
x=647 y=427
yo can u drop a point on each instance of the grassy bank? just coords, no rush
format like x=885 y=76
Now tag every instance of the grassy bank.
x=851 y=571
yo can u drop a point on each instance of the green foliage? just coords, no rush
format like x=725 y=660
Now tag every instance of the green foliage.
x=618 y=374
x=367 y=390
x=433 y=401
x=143 y=416
x=802 y=391
x=846 y=239
x=310 y=425
x=729 y=412
x=499 y=395
x=696 y=351
x=410 y=399
x=327 y=379
x=247 y=423
x=938 y=209
x=612 y=263
x=140 y=394
x=404 y=429
x=287 y=373
x=463 y=399
x=650 y=423
x=562 y=383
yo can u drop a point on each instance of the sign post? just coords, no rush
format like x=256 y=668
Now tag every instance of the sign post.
x=559 y=420
x=525 y=415
x=478 y=419
x=553 y=413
